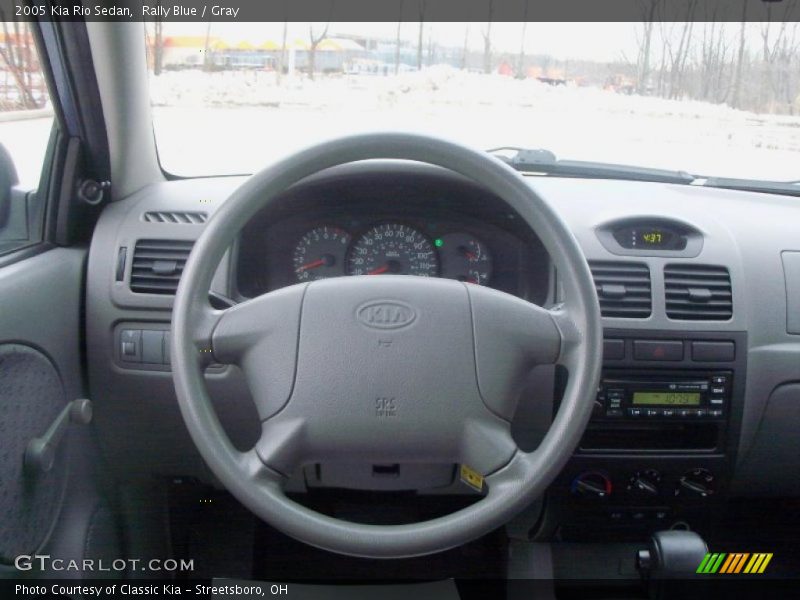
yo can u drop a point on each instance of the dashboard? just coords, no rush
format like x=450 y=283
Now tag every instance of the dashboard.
x=699 y=395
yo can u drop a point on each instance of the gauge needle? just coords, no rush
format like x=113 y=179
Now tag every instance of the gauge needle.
x=312 y=265
x=379 y=270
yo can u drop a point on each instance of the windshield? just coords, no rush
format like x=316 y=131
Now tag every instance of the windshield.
x=712 y=99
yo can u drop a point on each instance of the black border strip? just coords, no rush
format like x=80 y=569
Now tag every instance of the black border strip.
x=705 y=588
x=404 y=10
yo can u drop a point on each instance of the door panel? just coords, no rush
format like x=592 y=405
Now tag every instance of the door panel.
x=40 y=372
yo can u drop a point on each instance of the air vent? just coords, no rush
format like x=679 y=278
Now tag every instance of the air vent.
x=698 y=293
x=158 y=264
x=177 y=217
x=623 y=289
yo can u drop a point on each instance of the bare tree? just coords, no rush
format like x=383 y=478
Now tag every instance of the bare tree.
x=737 y=81
x=465 y=48
x=680 y=54
x=431 y=52
x=777 y=54
x=282 y=60
x=284 y=44
x=18 y=55
x=648 y=8
x=423 y=5
x=487 y=40
x=158 y=42
x=521 y=57
x=713 y=55
x=397 y=41
x=207 y=49
x=312 y=49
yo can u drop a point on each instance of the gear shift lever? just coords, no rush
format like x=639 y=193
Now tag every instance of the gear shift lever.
x=671 y=557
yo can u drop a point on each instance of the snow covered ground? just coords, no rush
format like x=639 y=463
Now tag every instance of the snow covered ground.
x=235 y=123
x=227 y=122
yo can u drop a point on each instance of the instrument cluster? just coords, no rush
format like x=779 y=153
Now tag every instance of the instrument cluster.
x=390 y=248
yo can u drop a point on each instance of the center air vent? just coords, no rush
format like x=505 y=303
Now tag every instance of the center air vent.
x=158 y=264
x=698 y=292
x=177 y=217
x=623 y=289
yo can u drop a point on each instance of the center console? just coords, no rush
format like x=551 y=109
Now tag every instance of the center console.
x=660 y=446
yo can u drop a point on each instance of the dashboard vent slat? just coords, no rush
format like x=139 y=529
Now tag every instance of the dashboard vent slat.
x=623 y=289
x=177 y=217
x=157 y=265
x=698 y=293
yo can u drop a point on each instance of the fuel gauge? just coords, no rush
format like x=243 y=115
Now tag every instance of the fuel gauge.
x=464 y=257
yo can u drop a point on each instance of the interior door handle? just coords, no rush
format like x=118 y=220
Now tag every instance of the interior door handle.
x=40 y=454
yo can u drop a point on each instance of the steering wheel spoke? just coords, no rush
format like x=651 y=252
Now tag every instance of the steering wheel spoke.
x=511 y=338
x=486 y=446
x=569 y=332
x=260 y=336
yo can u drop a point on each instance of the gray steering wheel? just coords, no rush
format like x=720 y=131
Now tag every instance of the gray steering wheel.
x=328 y=386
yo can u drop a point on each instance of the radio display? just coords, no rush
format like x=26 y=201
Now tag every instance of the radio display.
x=666 y=398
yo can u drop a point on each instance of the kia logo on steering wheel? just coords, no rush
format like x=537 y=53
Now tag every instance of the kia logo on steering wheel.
x=386 y=314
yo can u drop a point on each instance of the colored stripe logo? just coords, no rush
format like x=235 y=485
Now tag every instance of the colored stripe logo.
x=734 y=563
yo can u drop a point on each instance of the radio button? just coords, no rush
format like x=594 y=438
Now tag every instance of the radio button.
x=635 y=412
x=715 y=413
x=614 y=412
x=657 y=350
x=686 y=412
x=668 y=412
x=613 y=349
x=700 y=413
x=652 y=412
x=713 y=351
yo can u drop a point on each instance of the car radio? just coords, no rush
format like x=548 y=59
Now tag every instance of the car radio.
x=693 y=396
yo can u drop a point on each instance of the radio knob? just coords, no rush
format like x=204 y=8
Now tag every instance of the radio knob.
x=645 y=483
x=591 y=484
x=697 y=482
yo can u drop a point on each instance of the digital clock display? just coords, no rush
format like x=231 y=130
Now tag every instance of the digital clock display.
x=666 y=398
x=654 y=238
x=650 y=236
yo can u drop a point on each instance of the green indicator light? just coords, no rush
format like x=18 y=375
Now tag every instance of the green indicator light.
x=438 y=242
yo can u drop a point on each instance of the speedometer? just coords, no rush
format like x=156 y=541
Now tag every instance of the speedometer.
x=395 y=249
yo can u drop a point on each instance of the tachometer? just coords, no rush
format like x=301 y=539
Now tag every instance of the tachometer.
x=393 y=248
x=464 y=257
x=320 y=253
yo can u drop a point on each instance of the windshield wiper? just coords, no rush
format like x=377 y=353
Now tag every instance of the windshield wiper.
x=544 y=162
x=785 y=188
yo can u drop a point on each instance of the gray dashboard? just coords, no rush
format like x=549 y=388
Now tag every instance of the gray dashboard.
x=748 y=234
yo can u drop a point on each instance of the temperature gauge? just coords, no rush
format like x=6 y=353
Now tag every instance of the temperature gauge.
x=464 y=257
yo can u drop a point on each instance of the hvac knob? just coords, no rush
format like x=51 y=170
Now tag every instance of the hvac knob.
x=645 y=483
x=697 y=482
x=591 y=484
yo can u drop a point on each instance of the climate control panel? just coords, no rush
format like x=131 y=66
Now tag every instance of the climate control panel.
x=644 y=485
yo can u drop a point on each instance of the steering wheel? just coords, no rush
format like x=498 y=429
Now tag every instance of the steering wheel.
x=389 y=369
